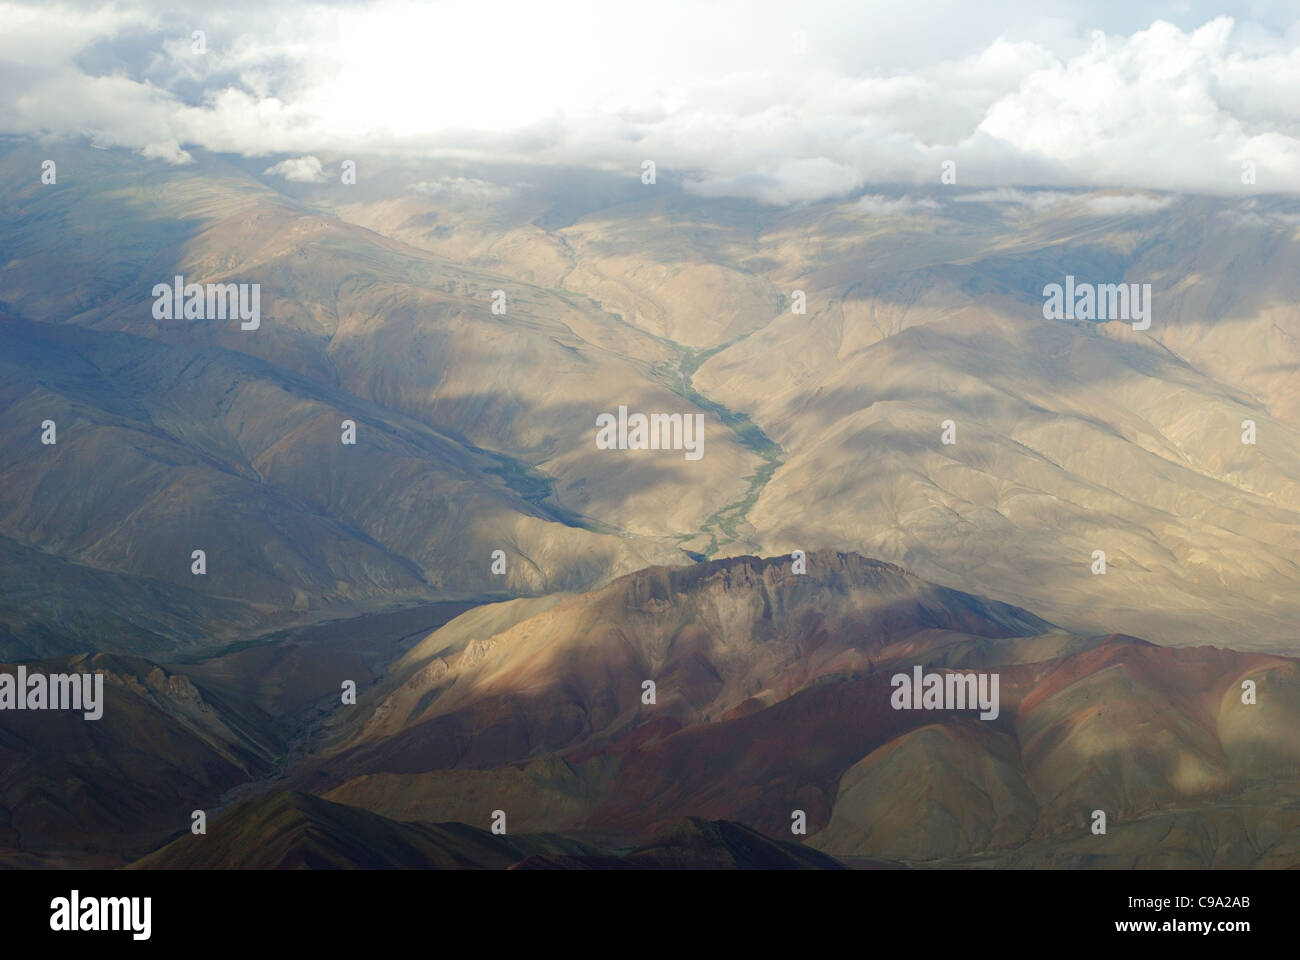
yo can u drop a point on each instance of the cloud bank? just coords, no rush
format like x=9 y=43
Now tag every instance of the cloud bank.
x=778 y=102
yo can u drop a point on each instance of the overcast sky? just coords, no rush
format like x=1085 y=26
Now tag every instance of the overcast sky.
x=780 y=101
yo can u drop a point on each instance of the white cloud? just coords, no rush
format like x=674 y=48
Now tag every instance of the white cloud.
x=1093 y=205
x=881 y=206
x=1131 y=204
x=791 y=180
x=469 y=187
x=1016 y=94
x=1250 y=213
x=298 y=169
x=168 y=151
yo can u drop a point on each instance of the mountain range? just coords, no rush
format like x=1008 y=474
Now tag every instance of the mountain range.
x=475 y=429
x=919 y=469
x=773 y=710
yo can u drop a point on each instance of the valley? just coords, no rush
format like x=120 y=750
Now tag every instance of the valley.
x=723 y=526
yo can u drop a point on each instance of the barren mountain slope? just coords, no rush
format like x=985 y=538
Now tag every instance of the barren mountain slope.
x=773 y=694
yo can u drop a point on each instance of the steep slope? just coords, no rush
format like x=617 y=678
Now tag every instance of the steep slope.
x=97 y=791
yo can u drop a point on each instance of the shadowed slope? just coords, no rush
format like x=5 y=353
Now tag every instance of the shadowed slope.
x=287 y=830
